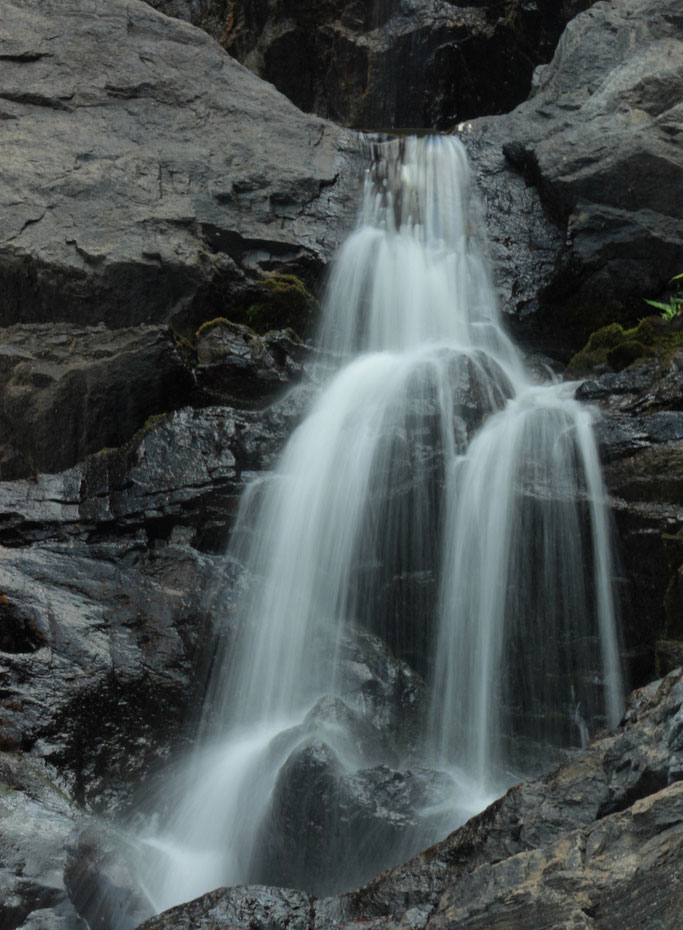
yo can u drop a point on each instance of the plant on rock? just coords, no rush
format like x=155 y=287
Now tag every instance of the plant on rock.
x=674 y=308
x=284 y=301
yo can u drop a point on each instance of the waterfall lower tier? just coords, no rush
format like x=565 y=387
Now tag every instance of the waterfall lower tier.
x=426 y=608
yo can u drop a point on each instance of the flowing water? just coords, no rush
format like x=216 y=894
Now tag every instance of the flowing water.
x=427 y=605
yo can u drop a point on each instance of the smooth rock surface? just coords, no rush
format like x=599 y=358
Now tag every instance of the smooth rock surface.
x=158 y=177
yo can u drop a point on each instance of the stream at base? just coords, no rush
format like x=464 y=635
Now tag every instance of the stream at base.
x=426 y=610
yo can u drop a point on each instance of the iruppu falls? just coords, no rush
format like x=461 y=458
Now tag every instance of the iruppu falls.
x=437 y=506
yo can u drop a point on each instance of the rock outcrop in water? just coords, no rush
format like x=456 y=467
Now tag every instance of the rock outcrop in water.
x=597 y=843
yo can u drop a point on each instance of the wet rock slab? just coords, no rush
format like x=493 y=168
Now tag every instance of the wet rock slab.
x=67 y=391
x=598 y=843
x=640 y=431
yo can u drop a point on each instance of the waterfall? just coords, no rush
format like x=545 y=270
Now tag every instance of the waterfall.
x=426 y=605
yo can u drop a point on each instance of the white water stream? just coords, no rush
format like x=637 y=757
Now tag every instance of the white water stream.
x=435 y=498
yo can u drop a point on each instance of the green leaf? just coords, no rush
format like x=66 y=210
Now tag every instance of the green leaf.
x=658 y=304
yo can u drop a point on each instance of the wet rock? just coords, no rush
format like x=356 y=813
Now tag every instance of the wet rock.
x=182 y=474
x=235 y=363
x=330 y=827
x=354 y=62
x=598 y=840
x=175 y=176
x=621 y=871
x=387 y=691
x=610 y=776
x=106 y=596
x=99 y=876
x=67 y=391
x=36 y=823
x=597 y=141
x=640 y=431
x=252 y=908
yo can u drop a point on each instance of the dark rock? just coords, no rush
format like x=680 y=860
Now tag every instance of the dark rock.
x=106 y=598
x=252 y=908
x=191 y=11
x=175 y=176
x=599 y=837
x=355 y=62
x=329 y=827
x=179 y=474
x=385 y=690
x=106 y=607
x=236 y=364
x=597 y=140
x=67 y=391
x=640 y=432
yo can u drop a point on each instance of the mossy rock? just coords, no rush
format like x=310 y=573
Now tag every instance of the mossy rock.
x=209 y=325
x=626 y=353
x=185 y=348
x=284 y=303
x=613 y=348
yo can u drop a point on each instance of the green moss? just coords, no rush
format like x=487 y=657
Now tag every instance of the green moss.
x=186 y=349
x=156 y=419
x=284 y=302
x=205 y=327
x=606 y=338
x=625 y=354
x=613 y=348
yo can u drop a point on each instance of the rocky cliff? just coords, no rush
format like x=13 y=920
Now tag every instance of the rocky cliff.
x=149 y=184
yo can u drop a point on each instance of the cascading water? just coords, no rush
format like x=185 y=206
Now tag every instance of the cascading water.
x=436 y=516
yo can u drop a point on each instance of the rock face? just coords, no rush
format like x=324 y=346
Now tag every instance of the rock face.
x=641 y=436
x=148 y=178
x=163 y=195
x=355 y=62
x=599 y=141
x=191 y=11
x=98 y=385
x=110 y=579
x=599 y=843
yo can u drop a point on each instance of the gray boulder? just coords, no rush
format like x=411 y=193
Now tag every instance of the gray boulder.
x=158 y=177
x=599 y=141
